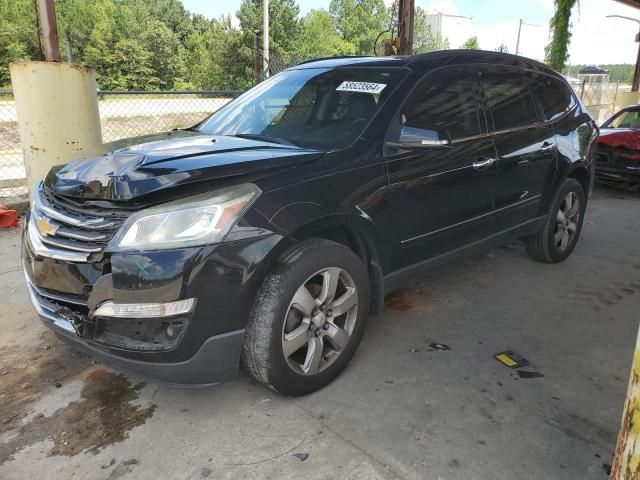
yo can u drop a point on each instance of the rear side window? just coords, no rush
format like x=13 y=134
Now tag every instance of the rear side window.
x=554 y=96
x=444 y=102
x=509 y=99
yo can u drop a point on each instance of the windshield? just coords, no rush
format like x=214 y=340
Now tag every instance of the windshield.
x=313 y=108
x=629 y=119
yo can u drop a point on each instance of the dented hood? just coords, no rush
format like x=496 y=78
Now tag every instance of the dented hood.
x=154 y=163
x=627 y=138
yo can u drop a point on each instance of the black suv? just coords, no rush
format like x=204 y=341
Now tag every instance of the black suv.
x=273 y=229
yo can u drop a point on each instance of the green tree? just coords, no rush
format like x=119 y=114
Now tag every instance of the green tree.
x=471 y=44
x=18 y=35
x=210 y=57
x=165 y=60
x=424 y=40
x=284 y=24
x=319 y=37
x=557 y=52
x=359 y=22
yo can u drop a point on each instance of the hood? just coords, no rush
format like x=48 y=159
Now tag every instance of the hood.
x=151 y=164
x=627 y=138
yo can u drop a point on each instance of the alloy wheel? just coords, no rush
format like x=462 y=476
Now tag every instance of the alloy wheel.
x=320 y=321
x=567 y=220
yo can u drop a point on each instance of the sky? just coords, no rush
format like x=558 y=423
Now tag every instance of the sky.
x=595 y=40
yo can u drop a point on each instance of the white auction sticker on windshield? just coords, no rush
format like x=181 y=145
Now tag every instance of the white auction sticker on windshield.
x=363 y=87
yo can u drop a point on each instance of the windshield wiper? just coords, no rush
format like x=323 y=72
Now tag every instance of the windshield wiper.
x=263 y=138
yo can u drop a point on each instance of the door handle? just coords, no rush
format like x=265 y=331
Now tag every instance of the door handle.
x=483 y=163
x=547 y=147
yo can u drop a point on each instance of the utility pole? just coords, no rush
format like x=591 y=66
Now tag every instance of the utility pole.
x=522 y=22
x=636 y=71
x=265 y=38
x=256 y=58
x=48 y=30
x=518 y=41
x=406 y=10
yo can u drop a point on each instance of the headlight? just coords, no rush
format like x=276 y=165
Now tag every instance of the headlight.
x=197 y=220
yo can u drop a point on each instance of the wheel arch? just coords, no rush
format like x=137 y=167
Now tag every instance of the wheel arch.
x=582 y=174
x=362 y=238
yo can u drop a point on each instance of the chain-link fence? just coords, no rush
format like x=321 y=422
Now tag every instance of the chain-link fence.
x=598 y=95
x=12 y=172
x=122 y=115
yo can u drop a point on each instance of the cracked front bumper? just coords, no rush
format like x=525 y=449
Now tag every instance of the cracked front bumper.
x=206 y=348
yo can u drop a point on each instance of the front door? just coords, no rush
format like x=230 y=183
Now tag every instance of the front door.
x=441 y=189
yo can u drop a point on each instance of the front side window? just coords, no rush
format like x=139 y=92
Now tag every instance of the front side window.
x=553 y=95
x=625 y=120
x=443 y=105
x=312 y=108
x=508 y=98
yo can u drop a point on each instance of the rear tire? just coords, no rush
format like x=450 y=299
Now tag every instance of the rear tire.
x=563 y=224
x=308 y=318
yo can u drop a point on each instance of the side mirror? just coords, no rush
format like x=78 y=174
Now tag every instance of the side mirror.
x=412 y=137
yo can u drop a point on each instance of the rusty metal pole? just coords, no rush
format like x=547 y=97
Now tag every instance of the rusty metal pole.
x=48 y=30
x=406 y=10
x=626 y=464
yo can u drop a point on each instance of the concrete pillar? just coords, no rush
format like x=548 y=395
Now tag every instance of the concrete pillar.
x=626 y=464
x=58 y=117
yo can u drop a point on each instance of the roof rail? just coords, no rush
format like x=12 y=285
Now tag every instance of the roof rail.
x=332 y=58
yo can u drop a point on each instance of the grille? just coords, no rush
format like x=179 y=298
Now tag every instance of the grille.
x=66 y=226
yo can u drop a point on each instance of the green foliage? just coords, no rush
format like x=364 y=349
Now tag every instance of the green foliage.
x=157 y=44
x=620 y=73
x=359 y=22
x=18 y=36
x=557 y=52
x=319 y=37
x=471 y=44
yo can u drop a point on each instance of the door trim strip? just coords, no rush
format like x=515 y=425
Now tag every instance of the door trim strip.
x=492 y=212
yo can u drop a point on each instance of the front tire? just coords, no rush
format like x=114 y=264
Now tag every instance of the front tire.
x=562 y=227
x=308 y=318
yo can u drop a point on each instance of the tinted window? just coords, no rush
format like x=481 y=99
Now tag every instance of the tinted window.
x=553 y=95
x=443 y=103
x=509 y=99
x=312 y=107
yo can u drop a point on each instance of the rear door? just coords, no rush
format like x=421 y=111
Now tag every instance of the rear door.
x=439 y=196
x=525 y=146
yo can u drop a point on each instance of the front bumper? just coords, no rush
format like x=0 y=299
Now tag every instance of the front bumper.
x=626 y=177
x=223 y=278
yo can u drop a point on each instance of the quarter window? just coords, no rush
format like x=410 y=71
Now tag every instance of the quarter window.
x=443 y=104
x=509 y=99
x=554 y=96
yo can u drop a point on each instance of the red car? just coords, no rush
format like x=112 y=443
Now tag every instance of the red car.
x=618 y=158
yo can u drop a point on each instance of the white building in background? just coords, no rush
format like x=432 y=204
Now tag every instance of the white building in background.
x=455 y=28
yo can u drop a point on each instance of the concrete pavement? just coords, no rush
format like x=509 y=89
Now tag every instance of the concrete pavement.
x=402 y=409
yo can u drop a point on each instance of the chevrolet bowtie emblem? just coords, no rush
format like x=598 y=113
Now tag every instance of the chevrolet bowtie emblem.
x=45 y=228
